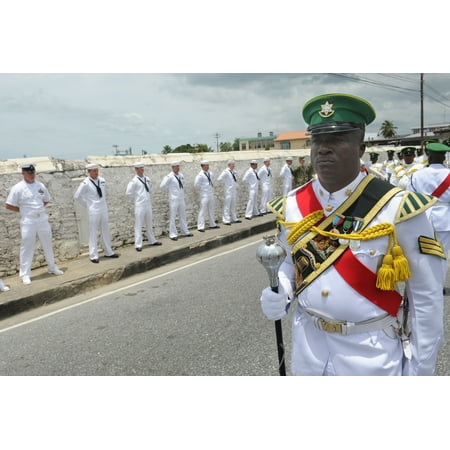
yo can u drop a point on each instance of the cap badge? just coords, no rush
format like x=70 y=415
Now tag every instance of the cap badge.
x=327 y=110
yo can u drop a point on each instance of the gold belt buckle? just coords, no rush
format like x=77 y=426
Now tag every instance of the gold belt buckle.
x=331 y=327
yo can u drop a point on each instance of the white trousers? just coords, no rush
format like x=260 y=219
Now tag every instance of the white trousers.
x=444 y=238
x=287 y=185
x=99 y=221
x=229 y=207
x=206 y=206
x=252 y=207
x=266 y=196
x=143 y=216
x=29 y=231
x=316 y=352
x=177 y=207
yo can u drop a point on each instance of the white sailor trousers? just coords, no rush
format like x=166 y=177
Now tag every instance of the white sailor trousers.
x=252 y=207
x=29 y=229
x=266 y=196
x=177 y=207
x=229 y=206
x=143 y=216
x=99 y=220
x=206 y=207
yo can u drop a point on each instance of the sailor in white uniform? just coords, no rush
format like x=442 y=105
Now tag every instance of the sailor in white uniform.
x=251 y=179
x=173 y=184
x=139 y=189
x=91 y=194
x=204 y=183
x=228 y=178
x=286 y=174
x=403 y=172
x=29 y=198
x=348 y=316
x=435 y=180
x=265 y=176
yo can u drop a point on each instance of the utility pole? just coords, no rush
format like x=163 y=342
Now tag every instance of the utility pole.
x=116 y=147
x=217 y=136
x=421 y=111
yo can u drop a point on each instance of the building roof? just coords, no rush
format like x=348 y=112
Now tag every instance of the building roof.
x=291 y=136
x=261 y=138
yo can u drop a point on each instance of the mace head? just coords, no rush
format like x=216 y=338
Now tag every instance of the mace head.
x=271 y=255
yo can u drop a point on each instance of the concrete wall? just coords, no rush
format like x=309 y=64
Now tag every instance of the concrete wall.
x=68 y=220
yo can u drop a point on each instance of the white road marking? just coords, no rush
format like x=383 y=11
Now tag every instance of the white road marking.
x=138 y=283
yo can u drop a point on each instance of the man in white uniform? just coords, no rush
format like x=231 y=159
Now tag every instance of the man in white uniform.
x=228 y=178
x=29 y=198
x=286 y=174
x=265 y=176
x=139 y=189
x=251 y=178
x=435 y=180
x=173 y=184
x=204 y=183
x=350 y=238
x=403 y=172
x=91 y=194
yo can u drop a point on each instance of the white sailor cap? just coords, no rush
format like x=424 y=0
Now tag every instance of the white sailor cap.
x=289 y=158
x=231 y=161
x=175 y=163
x=253 y=161
x=28 y=167
x=266 y=159
x=91 y=166
x=204 y=163
x=138 y=164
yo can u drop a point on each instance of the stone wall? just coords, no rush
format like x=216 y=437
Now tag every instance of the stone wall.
x=68 y=220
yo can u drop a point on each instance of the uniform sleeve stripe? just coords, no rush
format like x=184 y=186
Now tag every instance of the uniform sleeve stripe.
x=413 y=203
x=430 y=246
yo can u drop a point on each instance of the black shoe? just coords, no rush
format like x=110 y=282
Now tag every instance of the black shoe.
x=201 y=230
x=237 y=221
x=114 y=255
x=248 y=218
x=227 y=223
x=139 y=249
x=94 y=261
x=156 y=243
x=187 y=235
x=215 y=226
x=174 y=238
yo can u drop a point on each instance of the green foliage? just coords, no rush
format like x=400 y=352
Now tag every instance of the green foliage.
x=236 y=144
x=387 y=129
x=167 y=149
x=226 y=147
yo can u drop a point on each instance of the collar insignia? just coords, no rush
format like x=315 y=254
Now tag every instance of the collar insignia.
x=327 y=110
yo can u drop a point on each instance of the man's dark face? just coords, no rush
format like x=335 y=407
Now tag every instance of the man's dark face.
x=336 y=157
x=408 y=158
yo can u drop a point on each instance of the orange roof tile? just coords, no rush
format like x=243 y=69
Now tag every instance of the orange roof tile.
x=292 y=135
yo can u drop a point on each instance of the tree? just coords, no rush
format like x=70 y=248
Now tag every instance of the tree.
x=387 y=129
x=167 y=149
x=203 y=148
x=236 y=144
x=226 y=147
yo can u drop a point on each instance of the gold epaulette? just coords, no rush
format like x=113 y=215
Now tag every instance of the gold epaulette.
x=278 y=206
x=412 y=204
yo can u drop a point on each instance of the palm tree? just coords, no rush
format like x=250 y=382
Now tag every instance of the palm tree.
x=387 y=129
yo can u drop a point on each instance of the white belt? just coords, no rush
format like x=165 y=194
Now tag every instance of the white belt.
x=345 y=328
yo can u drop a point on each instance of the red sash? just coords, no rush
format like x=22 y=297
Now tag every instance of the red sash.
x=442 y=187
x=356 y=274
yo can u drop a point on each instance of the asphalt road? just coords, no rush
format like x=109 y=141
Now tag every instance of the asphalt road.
x=200 y=316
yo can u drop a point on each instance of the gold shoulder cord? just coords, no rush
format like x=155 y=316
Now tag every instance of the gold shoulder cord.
x=394 y=266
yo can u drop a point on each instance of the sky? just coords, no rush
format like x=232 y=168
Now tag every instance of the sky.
x=76 y=115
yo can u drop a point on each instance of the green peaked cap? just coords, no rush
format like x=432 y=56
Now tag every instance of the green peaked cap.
x=437 y=147
x=337 y=113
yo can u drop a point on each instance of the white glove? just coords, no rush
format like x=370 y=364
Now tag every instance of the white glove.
x=273 y=304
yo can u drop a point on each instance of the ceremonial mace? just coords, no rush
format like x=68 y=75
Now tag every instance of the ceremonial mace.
x=271 y=255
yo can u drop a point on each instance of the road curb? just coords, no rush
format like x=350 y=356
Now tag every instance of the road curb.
x=91 y=281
